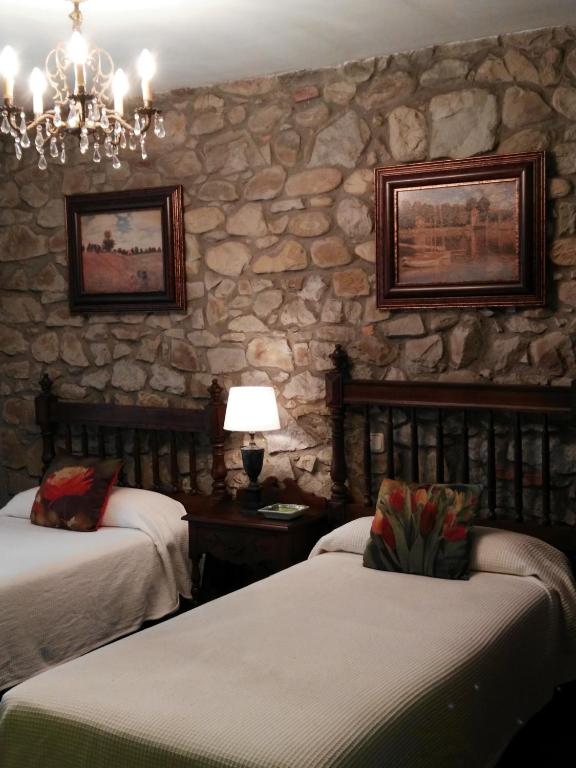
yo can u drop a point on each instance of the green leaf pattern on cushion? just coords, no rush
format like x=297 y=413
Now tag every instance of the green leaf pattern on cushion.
x=422 y=529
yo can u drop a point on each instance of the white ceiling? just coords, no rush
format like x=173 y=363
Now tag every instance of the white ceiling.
x=199 y=42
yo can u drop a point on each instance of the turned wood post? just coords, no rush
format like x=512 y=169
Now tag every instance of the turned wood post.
x=45 y=403
x=217 y=411
x=335 y=401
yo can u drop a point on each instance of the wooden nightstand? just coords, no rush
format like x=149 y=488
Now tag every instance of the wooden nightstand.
x=221 y=530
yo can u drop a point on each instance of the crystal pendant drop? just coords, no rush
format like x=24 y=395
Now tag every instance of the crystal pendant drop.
x=123 y=141
x=72 y=116
x=143 y=148
x=108 y=149
x=96 y=157
x=90 y=116
x=53 y=147
x=13 y=133
x=5 y=126
x=22 y=122
x=117 y=129
x=96 y=113
x=116 y=162
x=137 y=128
x=159 y=129
x=57 y=116
x=84 y=143
x=42 y=164
x=132 y=142
x=25 y=140
x=62 y=152
x=39 y=140
x=18 y=150
x=104 y=122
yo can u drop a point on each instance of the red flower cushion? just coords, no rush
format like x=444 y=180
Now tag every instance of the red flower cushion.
x=422 y=529
x=74 y=493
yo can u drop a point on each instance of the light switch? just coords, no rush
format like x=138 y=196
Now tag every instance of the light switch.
x=377 y=442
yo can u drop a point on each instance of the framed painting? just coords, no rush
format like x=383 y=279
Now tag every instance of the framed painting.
x=126 y=251
x=462 y=233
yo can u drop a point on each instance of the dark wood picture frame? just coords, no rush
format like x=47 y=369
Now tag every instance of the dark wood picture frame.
x=421 y=261
x=167 y=293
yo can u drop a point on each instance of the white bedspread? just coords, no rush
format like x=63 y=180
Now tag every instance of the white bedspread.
x=496 y=550
x=324 y=665
x=64 y=593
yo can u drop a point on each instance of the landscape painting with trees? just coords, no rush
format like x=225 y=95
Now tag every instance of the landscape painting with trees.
x=467 y=232
x=122 y=252
x=458 y=233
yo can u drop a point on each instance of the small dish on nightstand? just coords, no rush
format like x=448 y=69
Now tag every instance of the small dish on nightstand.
x=283 y=511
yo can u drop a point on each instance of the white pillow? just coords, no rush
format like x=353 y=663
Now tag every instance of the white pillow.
x=494 y=550
x=350 y=537
x=128 y=507
x=20 y=505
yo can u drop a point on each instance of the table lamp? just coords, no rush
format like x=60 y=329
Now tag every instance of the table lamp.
x=252 y=409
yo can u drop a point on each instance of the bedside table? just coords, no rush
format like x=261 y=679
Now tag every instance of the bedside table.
x=221 y=529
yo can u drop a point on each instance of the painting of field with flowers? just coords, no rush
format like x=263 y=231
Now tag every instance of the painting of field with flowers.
x=122 y=252
x=126 y=250
x=422 y=529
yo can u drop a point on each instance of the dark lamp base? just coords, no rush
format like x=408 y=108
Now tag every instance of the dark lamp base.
x=252 y=461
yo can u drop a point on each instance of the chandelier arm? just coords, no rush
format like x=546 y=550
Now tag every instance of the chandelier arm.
x=54 y=132
x=58 y=133
x=145 y=114
x=114 y=116
x=45 y=118
x=12 y=114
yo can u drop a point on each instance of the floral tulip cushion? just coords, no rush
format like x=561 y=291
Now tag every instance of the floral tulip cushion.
x=422 y=529
x=74 y=493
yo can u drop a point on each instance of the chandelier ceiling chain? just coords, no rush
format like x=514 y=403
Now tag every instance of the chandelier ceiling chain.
x=85 y=84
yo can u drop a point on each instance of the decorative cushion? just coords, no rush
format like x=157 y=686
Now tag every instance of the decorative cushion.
x=422 y=529
x=74 y=493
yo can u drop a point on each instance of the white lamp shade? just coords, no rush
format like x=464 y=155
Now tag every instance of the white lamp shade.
x=251 y=409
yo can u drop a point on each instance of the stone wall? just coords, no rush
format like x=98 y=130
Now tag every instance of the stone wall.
x=277 y=174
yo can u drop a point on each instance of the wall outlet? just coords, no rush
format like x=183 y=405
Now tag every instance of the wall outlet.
x=377 y=442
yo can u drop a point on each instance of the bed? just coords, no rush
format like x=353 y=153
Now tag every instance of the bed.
x=324 y=664
x=327 y=664
x=63 y=593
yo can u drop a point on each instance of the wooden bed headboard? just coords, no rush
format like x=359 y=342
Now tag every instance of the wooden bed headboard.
x=157 y=435
x=495 y=404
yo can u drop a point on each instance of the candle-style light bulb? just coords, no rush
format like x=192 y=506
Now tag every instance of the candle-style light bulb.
x=8 y=70
x=37 y=86
x=77 y=50
x=119 y=89
x=146 y=70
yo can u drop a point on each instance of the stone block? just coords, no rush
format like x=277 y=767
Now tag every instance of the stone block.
x=351 y=282
x=270 y=352
x=463 y=123
x=288 y=256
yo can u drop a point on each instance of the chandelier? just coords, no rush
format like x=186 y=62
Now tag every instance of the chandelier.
x=88 y=102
